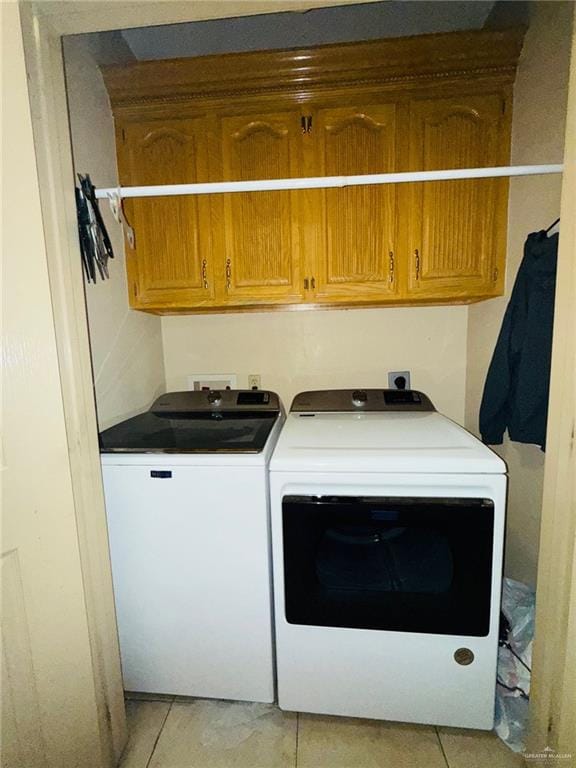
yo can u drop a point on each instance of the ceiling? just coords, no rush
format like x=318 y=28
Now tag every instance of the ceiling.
x=392 y=18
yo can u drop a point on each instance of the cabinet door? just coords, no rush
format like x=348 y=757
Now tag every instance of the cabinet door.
x=457 y=229
x=259 y=238
x=355 y=226
x=171 y=264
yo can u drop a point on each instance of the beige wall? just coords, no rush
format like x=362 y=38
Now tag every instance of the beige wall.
x=126 y=346
x=295 y=351
x=540 y=95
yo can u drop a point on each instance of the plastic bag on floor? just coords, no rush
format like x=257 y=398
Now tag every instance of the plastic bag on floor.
x=514 y=664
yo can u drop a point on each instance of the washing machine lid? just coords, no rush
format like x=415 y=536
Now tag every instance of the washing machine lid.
x=227 y=421
x=417 y=440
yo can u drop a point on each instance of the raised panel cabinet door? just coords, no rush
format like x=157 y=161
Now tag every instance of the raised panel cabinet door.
x=457 y=229
x=171 y=264
x=355 y=226
x=259 y=243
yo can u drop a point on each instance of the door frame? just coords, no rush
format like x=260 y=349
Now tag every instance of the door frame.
x=44 y=23
x=553 y=689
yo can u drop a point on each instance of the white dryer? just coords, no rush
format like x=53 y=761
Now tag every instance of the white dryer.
x=387 y=535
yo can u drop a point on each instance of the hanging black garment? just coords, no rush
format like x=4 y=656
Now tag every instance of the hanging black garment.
x=95 y=244
x=518 y=381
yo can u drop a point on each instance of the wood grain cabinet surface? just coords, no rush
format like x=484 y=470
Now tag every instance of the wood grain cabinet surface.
x=436 y=101
x=172 y=263
x=257 y=234
x=457 y=229
x=355 y=227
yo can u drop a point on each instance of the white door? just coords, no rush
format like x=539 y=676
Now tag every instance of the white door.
x=49 y=712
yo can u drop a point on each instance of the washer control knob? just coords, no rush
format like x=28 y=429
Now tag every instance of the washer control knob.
x=359 y=397
x=215 y=397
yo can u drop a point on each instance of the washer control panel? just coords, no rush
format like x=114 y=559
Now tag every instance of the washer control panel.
x=359 y=398
x=229 y=400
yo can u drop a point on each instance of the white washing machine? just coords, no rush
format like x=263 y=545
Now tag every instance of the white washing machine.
x=187 y=503
x=387 y=537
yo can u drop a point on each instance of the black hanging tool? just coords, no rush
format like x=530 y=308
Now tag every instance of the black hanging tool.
x=553 y=225
x=95 y=244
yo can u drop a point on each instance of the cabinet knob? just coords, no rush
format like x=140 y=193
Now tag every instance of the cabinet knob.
x=391 y=266
x=204 y=274
x=306 y=283
x=417 y=255
x=313 y=283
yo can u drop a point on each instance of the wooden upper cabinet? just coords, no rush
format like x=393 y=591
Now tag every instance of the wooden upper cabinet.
x=355 y=226
x=171 y=263
x=258 y=233
x=418 y=103
x=457 y=229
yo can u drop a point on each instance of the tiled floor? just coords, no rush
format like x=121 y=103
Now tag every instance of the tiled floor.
x=215 y=734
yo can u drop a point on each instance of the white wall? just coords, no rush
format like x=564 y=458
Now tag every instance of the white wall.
x=366 y=21
x=540 y=95
x=126 y=345
x=295 y=351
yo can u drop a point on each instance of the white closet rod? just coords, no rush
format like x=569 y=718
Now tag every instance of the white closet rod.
x=324 y=182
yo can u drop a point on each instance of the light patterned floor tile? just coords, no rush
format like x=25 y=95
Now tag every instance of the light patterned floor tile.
x=145 y=721
x=218 y=734
x=477 y=749
x=339 y=742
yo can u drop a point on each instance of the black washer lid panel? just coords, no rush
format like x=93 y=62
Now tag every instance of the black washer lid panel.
x=355 y=400
x=189 y=433
x=207 y=421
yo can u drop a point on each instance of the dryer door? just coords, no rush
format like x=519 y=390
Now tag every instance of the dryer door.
x=401 y=564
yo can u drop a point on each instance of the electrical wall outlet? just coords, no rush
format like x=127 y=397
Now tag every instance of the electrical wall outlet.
x=253 y=381
x=393 y=377
x=199 y=381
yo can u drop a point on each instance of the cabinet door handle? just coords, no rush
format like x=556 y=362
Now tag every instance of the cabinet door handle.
x=391 y=266
x=306 y=284
x=228 y=274
x=309 y=125
x=204 y=274
x=417 y=255
x=313 y=283
x=303 y=124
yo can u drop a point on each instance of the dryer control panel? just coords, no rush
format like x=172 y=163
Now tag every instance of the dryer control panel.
x=349 y=400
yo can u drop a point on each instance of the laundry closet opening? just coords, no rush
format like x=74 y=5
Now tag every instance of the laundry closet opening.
x=136 y=355
x=322 y=289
